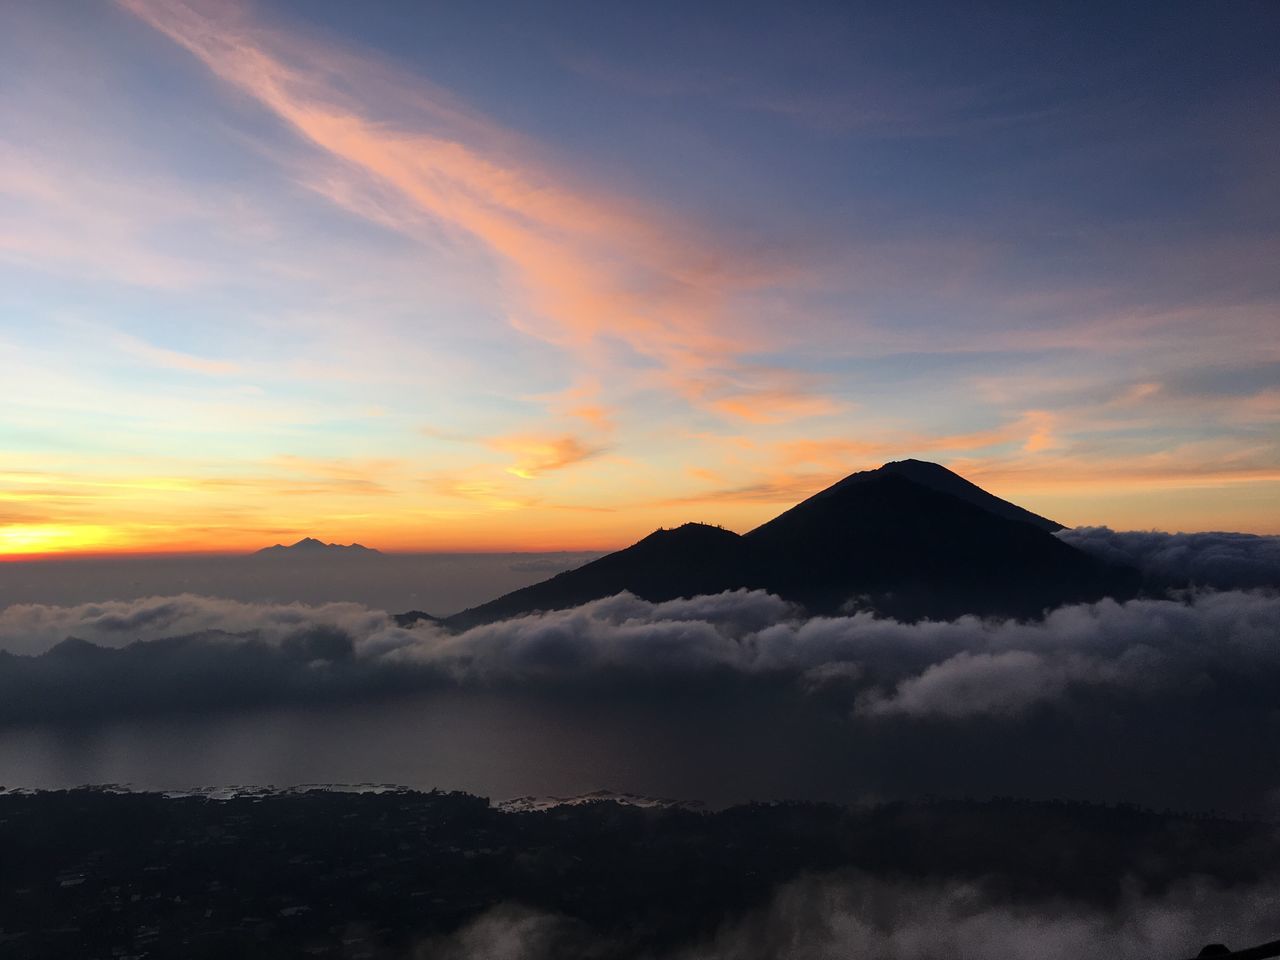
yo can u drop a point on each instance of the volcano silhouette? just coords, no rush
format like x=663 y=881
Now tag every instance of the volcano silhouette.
x=311 y=547
x=910 y=539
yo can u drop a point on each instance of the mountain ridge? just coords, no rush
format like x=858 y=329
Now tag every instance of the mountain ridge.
x=939 y=478
x=910 y=539
x=310 y=546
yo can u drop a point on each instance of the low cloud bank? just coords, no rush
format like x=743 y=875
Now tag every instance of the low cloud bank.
x=161 y=652
x=36 y=628
x=856 y=915
x=1225 y=561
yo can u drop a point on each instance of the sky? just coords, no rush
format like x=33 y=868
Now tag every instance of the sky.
x=504 y=276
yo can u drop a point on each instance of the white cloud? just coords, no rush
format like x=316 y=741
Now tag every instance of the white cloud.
x=943 y=669
x=1222 y=560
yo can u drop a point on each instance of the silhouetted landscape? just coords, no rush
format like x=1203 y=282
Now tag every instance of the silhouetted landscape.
x=878 y=655
x=395 y=873
x=910 y=540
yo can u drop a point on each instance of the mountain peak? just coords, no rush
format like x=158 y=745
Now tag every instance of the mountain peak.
x=909 y=539
x=691 y=532
x=313 y=547
x=912 y=467
x=938 y=478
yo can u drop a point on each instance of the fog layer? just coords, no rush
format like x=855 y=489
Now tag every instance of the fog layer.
x=1222 y=560
x=1216 y=647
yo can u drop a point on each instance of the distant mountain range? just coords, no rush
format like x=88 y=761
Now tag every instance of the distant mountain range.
x=910 y=539
x=309 y=546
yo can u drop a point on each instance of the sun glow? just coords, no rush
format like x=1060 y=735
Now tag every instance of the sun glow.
x=22 y=540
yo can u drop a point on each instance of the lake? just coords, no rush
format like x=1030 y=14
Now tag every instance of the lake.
x=716 y=747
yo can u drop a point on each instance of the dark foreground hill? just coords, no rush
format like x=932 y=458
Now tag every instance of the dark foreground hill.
x=88 y=873
x=910 y=540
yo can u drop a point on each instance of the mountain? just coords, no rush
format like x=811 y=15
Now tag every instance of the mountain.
x=411 y=617
x=939 y=478
x=686 y=561
x=911 y=549
x=910 y=539
x=311 y=547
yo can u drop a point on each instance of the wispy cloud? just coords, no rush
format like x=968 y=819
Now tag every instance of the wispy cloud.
x=581 y=270
x=175 y=359
x=537 y=455
x=64 y=218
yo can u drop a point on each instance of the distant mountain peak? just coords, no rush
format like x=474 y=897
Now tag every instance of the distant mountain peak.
x=313 y=547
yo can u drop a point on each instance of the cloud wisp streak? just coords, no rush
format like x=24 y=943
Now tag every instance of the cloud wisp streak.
x=582 y=270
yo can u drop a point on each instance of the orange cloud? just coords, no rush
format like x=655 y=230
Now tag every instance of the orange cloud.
x=1171 y=470
x=581 y=268
x=538 y=455
x=1033 y=431
x=593 y=413
x=775 y=406
x=490 y=495
x=1041 y=437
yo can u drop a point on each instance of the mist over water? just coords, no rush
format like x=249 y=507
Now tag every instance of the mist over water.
x=495 y=745
x=721 y=699
x=438 y=583
x=714 y=747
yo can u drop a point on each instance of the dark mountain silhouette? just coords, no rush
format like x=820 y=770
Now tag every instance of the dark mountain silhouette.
x=410 y=617
x=73 y=648
x=910 y=539
x=309 y=546
x=901 y=548
x=939 y=478
x=689 y=560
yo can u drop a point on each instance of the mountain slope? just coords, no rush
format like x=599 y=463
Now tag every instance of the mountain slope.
x=911 y=551
x=689 y=560
x=911 y=540
x=939 y=478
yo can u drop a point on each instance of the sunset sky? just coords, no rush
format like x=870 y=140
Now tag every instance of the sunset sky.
x=537 y=276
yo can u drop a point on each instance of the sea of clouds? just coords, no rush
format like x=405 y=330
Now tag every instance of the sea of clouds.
x=176 y=652
x=1220 y=560
x=1168 y=695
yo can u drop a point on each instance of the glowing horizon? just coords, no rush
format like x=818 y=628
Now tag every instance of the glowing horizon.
x=271 y=271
